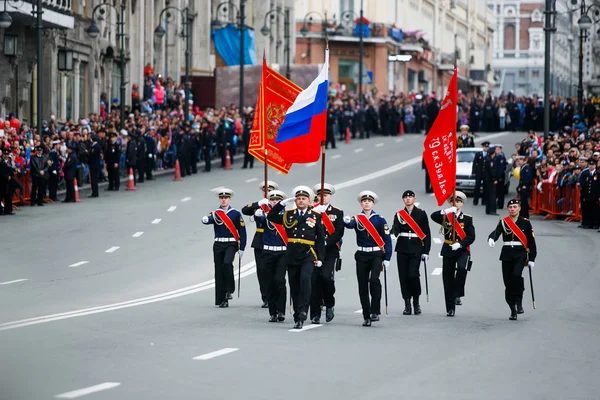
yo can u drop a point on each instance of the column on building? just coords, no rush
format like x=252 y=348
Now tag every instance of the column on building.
x=50 y=89
x=150 y=19
x=137 y=46
x=264 y=44
x=201 y=60
x=76 y=98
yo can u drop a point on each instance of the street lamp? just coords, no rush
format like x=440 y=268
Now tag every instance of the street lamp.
x=216 y=24
x=160 y=32
x=93 y=32
x=584 y=22
x=265 y=30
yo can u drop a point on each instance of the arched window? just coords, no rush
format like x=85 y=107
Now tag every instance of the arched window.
x=509 y=37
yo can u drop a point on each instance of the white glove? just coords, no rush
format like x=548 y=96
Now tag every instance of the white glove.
x=530 y=264
x=424 y=257
x=491 y=242
x=320 y=208
x=288 y=201
x=54 y=172
x=241 y=254
x=394 y=238
x=455 y=246
x=263 y=202
x=347 y=219
x=386 y=264
x=319 y=264
x=449 y=210
x=259 y=213
x=205 y=220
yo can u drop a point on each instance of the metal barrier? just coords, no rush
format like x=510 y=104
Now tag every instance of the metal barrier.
x=24 y=180
x=555 y=201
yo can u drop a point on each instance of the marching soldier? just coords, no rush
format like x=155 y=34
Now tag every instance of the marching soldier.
x=519 y=250
x=257 y=242
x=274 y=240
x=465 y=139
x=459 y=234
x=323 y=283
x=411 y=227
x=306 y=247
x=373 y=254
x=230 y=237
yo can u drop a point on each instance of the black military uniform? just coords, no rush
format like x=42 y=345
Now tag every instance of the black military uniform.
x=514 y=256
x=478 y=170
x=323 y=282
x=142 y=158
x=489 y=183
x=305 y=249
x=131 y=157
x=524 y=189
x=410 y=250
x=257 y=241
x=456 y=258
x=112 y=157
x=54 y=172
x=225 y=247
x=70 y=171
x=500 y=162
x=590 y=195
x=39 y=176
x=6 y=176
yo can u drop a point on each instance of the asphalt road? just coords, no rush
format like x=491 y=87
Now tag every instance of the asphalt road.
x=78 y=322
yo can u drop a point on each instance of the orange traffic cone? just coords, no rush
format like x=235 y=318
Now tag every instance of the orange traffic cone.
x=130 y=182
x=347 y=135
x=177 y=172
x=401 y=132
x=76 y=191
x=227 y=160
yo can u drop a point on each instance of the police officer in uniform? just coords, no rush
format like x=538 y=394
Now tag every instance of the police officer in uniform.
x=515 y=254
x=455 y=250
x=465 y=139
x=500 y=162
x=478 y=170
x=112 y=159
x=305 y=249
x=6 y=177
x=54 y=170
x=590 y=193
x=323 y=283
x=272 y=254
x=230 y=237
x=411 y=249
x=39 y=174
x=373 y=254
x=257 y=241
x=489 y=182
x=70 y=171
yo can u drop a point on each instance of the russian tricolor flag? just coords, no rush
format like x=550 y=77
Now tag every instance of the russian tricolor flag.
x=304 y=127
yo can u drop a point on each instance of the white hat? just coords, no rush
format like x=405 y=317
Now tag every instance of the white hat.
x=124 y=132
x=465 y=126
x=303 y=191
x=276 y=195
x=367 y=194
x=270 y=185
x=327 y=188
x=459 y=195
x=224 y=192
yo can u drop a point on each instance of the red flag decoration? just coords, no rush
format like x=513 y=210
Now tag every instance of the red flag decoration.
x=275 y=95
x=440 y=147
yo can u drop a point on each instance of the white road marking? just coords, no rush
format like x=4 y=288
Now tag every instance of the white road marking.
x=15 y=281
x=88 y=390
x=112 y=249
x=437 y=271
x=138 y=234
x=417 y=204
x=217 y=353
x=379 y=145
x=312 y=164
x=358 y=311
x=172 y=208
x=335 y=156
x=156 y=221
x=358 y=150
x=437 y=240
x=247 y=270
x=307 y=327
x=399 y=140
x=185 y=199
x=78 y=264
x=251 y=180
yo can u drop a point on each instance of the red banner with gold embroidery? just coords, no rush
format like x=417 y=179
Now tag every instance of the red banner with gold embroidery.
x=275 y=95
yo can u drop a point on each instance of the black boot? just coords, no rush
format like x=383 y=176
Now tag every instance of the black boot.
x=513 y=313
x=374 y=318
x=407 y=308
x=416 y=305
x=280 y=317
x=273 y=318
x=329 y=314
x=298 y=325
x=367 y=322
x=224 y=304
x=520 y=305
x=457 y=301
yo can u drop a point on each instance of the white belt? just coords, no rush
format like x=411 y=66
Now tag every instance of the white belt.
x=368 y=249
x=225 y=240
x=513 y=244
x=275 y=248
x=409 y=235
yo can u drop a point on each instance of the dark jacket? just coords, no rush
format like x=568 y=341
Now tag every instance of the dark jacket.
x=412 y=245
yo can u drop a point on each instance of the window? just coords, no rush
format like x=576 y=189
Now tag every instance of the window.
x=522 y=73
x=82 y=89
x=116 y=84
x=509 y=37
x=412 y=80
x=535 y=73
x=69 y=96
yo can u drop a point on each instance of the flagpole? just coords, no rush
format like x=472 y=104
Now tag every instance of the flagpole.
x=454 y=191
x=323 y=143
x=266 y=188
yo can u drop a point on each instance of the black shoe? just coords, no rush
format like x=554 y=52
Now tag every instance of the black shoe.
x=513 y=315
x=457 y=301
x=224 y=304
x=520 y=308
x=40 y=204
x=407 y=308
x=280 y=317
x=367 y=322
x=416 y=306
x=316 y=320
x=229 y=296
x=329 y=314
x=273 y=318
x=374 y=317
x=298 y=325
x=450 y=313
x=302 y=316
x=265 y=305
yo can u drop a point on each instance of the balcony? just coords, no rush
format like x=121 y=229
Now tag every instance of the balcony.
x=57 y=13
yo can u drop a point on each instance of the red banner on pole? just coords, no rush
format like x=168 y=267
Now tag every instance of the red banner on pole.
x=440 y=147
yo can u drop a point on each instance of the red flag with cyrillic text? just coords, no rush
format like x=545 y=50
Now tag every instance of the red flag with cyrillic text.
x=440 y=147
